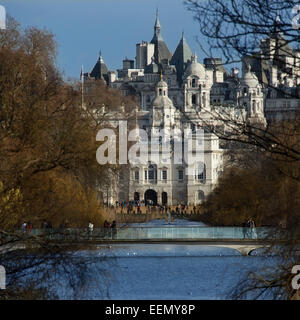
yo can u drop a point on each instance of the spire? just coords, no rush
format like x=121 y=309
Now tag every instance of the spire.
x=161 y=51
x=100 y=57
x=194 y=57
x=157 y=25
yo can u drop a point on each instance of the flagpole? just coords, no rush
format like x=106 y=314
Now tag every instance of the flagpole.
x=82 y=84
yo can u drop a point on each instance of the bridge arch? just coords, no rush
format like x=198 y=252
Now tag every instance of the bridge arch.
x=244 y=250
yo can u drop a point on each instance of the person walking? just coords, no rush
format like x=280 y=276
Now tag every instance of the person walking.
x=114 y=229
x=169 y=217
x=24 y=226
x=90 y=229
x=49 y=230
x=106 y=226
x=252 y=229
x=29 y=226
x=245 y=228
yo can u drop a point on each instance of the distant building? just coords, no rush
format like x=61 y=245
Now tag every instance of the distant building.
x=176 y=91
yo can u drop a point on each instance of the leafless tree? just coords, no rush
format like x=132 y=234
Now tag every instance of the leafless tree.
x=264 y=34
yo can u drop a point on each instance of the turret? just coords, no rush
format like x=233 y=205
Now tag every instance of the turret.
x=252 y=97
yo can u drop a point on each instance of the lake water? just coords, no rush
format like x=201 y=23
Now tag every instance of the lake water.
x=168 y=271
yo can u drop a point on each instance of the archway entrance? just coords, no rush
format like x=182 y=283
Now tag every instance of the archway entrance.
x=151 y=197
x=164 y=198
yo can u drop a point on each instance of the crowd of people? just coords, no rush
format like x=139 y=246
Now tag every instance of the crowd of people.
x=110 y=229
x=135 y=207
x=26 y=226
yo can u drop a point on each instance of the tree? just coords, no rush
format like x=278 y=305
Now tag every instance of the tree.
x=235 y=28
x=265 y=35
x=48 y=167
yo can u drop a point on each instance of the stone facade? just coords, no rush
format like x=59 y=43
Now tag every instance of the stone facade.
x=176 y=91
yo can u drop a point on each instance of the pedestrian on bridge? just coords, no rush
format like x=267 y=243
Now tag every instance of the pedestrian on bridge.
x=90 y=229
x=106 y=228
x=252 y=229
x=114 y=229
x=24 y=226
x=245 y=225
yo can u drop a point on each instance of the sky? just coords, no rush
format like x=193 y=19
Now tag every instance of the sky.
x=84 y=27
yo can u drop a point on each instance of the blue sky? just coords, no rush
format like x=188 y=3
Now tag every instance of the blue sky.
x=84 y=27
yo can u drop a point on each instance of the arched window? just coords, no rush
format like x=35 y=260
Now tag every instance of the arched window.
x=160 y=92
x=194 y=83
x=201 y=172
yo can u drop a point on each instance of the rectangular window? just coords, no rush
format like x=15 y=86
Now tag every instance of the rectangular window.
x=180 y=174
x=164 y=174
x=200 y=175
x=136 y=175
x=145 y=175
x=151 y=174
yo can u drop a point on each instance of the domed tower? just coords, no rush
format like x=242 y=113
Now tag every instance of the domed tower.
x=196 y=87
x=251 y=97
x=163 y=110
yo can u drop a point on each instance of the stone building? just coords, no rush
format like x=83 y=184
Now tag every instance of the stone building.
x=175 y=91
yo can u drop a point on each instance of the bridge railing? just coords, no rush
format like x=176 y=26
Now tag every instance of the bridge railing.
x=154 y=233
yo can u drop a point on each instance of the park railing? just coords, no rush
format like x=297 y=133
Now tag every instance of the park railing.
x=154 y=233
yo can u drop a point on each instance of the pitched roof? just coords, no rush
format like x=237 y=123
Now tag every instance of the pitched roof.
x=100 y=70
x=181 y=57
